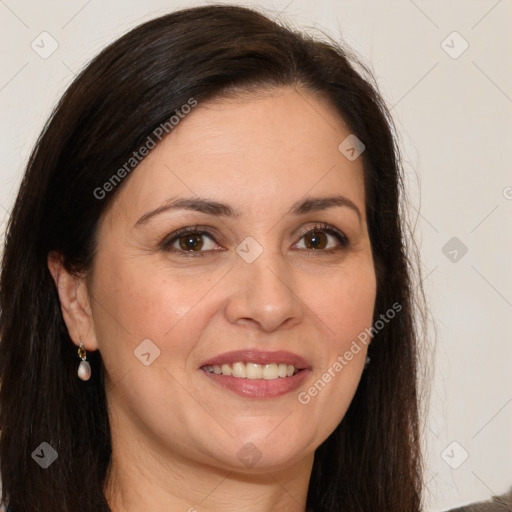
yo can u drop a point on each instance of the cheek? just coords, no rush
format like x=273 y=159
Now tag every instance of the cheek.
x=344 y=306
x=137 y=301
x=344 y=302
x=171 y=309
x=136 y=294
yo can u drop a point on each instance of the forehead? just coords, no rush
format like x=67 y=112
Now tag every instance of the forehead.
x=248 y=149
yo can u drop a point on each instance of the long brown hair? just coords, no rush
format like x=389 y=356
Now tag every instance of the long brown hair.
x=372 y=460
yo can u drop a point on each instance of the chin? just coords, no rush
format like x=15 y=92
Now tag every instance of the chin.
x=261 y=453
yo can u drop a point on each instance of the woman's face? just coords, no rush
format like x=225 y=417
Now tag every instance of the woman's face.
x=258 y=266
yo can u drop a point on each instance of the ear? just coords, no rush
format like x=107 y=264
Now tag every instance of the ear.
x=74 y=302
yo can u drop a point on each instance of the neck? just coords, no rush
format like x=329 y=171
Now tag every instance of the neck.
x=144 y=478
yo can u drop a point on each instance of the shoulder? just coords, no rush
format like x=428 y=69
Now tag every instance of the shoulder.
x=501 y=503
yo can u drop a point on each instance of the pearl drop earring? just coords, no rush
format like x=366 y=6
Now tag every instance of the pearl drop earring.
x=84 y=368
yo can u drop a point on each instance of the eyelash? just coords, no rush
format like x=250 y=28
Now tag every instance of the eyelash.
x=167 y=243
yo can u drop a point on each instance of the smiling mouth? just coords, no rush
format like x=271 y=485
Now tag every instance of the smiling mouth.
x=241 y=370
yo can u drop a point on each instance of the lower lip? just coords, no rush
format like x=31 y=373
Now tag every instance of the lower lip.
x=260 y=388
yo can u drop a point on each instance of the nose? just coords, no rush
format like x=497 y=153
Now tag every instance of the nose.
x=263 y=294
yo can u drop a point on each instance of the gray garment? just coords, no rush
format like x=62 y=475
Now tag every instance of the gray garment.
x=501 y=503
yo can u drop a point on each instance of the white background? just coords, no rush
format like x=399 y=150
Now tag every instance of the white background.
x=455 y=120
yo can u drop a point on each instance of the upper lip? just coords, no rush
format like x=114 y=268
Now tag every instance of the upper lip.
x=259 y=357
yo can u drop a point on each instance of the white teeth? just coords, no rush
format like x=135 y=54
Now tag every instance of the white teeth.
x=226 y=369
x=239 y=370
x=270 y=371
x=254 y=371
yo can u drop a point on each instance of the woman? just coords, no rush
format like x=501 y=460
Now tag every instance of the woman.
x=206 y=246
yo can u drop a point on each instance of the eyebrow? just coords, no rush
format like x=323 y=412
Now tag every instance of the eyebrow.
x=209 y=207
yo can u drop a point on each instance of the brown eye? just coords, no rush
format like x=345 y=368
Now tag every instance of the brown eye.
x=191 y=242
x=323 y=239
x=315 y=240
